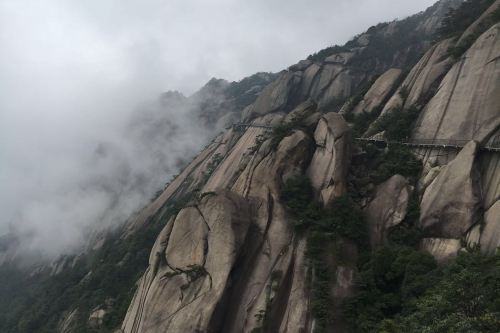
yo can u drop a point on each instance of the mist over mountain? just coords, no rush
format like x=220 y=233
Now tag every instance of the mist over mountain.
x=84 y=141
x=354 y=188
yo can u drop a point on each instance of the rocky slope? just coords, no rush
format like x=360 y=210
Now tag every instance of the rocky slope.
x=230 y=254
x=264 y=270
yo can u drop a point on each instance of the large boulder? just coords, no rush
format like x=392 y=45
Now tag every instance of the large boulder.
x=325 y=77
x=332 y=84
x=330 y=162
x=190 y=266
x=451 y=203
x=378 y=91
x=275 y=96
x=388 y=208
x=307 y=80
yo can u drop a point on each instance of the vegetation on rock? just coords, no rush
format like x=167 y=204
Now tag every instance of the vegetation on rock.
x=459 y=19
x=397 y=124
x=405 y=291
x=341 y=219
x=284 y=129
x=323 y=227
x=103 y=278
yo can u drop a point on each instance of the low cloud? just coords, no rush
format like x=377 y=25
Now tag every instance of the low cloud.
x=84 y=139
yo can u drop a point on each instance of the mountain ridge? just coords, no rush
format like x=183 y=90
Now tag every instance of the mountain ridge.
x=233 y=233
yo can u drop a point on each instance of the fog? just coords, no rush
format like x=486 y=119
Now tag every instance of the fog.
x=80 y=141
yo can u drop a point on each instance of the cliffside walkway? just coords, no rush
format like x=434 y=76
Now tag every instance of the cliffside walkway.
x=242 y=126
x=494 y=146
x=432 y=143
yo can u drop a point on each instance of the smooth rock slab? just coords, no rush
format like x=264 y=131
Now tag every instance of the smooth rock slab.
x=388 y=208
x=451 y=203
x=441 y=249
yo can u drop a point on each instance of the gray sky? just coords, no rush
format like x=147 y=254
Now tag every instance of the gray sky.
x=72 y=71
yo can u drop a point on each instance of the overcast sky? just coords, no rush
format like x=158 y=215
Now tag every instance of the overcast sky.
x=71 y=71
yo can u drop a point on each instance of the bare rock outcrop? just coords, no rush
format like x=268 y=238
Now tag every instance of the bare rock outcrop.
x=231 y=258
x=330 y=162
x=378 y=91
x=471 y=84
x=190 y=264
x=451 y=203
x=388 y=208
x=442 y=249
x=275 y=96
x=190 y=267
x=428 y=178
x=425 y=75
x=275 y=251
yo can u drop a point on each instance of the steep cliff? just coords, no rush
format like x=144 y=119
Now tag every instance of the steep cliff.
x=287 y=223
x=458 y=100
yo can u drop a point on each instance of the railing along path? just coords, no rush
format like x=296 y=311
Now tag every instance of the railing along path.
x=493 y=146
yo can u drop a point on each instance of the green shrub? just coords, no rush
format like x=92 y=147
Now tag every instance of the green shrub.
x=397 y=123
x=464 y=299
x=408 y=232
x=211 y=166
x=388 y=281
x=360 y=94
x=459 y=19
x=323 y=226
x=403 y=290
x=362 y=121
x=341 y=218
x=458 y=50
x=297 y=195
x=285 y=129
x=398 y=159
x=324 y=53
x=36 y=303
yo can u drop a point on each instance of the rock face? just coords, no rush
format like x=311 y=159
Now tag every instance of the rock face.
x=422 y=79
x=275 y=96
x=490 y=237
x=330 y=162
x=388 y=208
x=231 y=257
x=193 y=282
x=378 y=91
x=451 y=203
x=190 y=267
x=96 y=318
x=441 y=249
x=471 y=84
x=427 y=74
